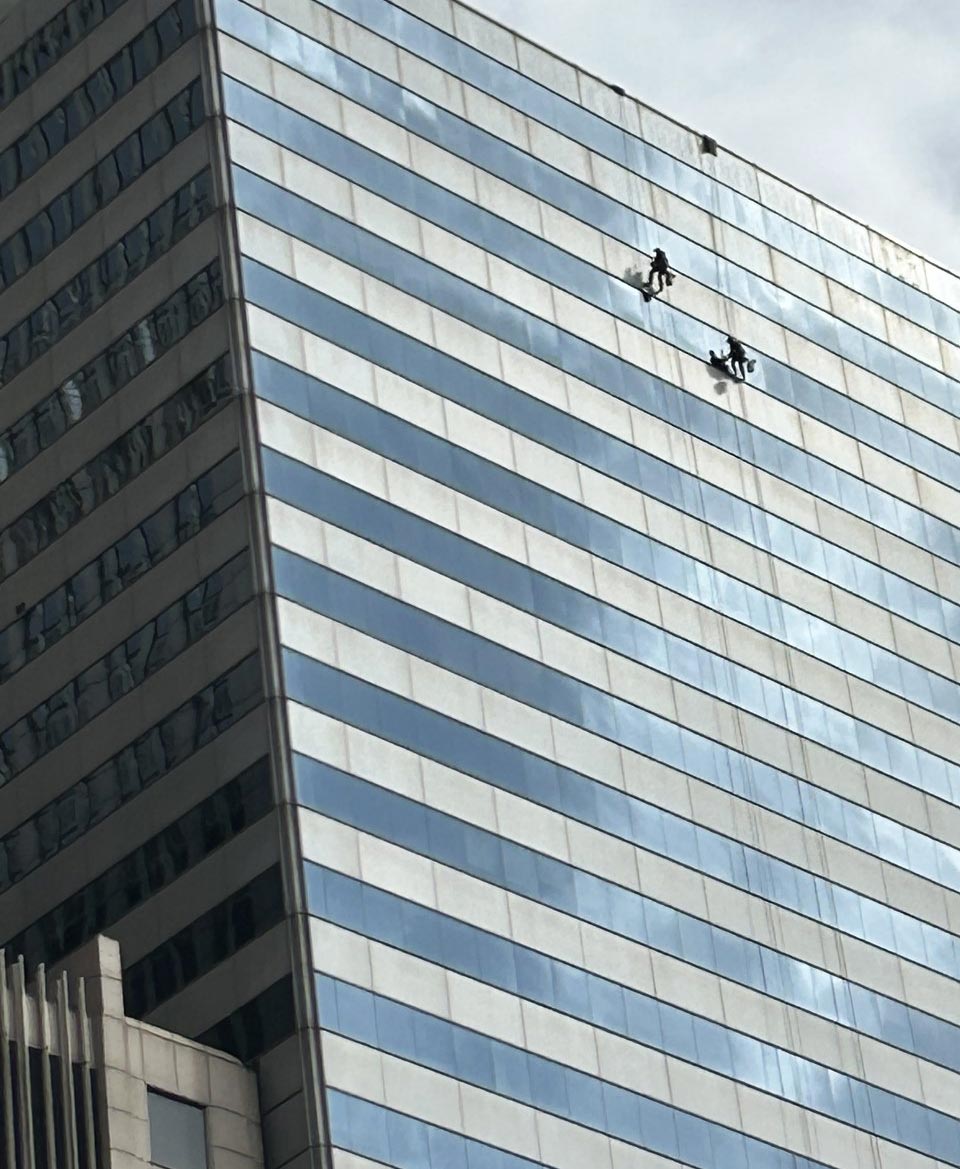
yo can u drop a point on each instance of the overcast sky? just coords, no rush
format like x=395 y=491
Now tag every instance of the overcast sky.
x=856 y=101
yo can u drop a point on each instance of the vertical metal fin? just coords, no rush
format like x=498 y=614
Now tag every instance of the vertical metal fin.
x=43 y=1009
x=65 y=1030
x=6 y=1071
x=85 y=1065
x=27 y=1160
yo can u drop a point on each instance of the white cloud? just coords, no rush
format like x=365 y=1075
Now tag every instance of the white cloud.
x=854 y=102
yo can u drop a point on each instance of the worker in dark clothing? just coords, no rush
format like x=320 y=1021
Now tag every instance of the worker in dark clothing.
x=737 y=357
x=734 y=363
x=659 y=267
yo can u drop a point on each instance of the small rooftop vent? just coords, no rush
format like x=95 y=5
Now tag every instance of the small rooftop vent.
x=708 y=145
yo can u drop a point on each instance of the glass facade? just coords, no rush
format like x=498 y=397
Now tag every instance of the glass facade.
x=113 y=468
x=41 y=51
x=141 y=874
x=141 y=763
x=106 y=276
x=133 y=731
x=114 y=79
x=93 y=191
x=209 y=940
x=128 y=355
x=619 y=700
x=622 y=699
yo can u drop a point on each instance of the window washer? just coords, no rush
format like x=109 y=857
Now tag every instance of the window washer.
x=659 y=267
x=737 y=358
x=735 y=362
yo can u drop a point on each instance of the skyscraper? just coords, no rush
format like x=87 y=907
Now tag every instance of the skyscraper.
x=524 y=742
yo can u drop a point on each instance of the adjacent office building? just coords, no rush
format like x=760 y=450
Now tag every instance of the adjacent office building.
x=519 y=742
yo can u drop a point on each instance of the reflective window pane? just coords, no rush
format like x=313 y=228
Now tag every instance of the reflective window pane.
x=145 y=871
x=178 y=1135
x=98 y=187
x=123 y=668
x=115 y=467
x=110 y=371
x=117 y=267
x=72 y=116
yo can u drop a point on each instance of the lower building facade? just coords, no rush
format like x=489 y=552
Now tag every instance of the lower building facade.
x=84 y=1086
x=521 y=742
